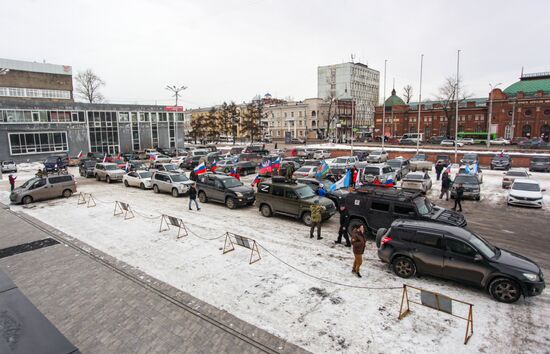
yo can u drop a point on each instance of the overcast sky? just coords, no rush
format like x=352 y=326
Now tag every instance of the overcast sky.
x=232 y=50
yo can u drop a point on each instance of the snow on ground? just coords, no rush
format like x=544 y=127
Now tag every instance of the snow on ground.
x=320 y=316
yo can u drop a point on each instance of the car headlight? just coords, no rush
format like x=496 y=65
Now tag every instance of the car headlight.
x=531 y=276
x=239 y=194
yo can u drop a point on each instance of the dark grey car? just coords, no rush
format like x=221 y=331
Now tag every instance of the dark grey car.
x=541 y=163
x=400 y=166
x=470 y=184
x=420 y=247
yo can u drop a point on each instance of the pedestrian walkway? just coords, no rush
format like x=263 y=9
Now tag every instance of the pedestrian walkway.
x=103 y=305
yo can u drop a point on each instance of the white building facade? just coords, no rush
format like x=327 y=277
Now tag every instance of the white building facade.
x=353 y=81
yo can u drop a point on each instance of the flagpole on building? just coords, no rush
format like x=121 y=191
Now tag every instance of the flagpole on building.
x=384 y=107
x=457 y=92
x=419 y=104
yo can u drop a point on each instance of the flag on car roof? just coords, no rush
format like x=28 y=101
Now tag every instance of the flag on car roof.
x=322 y=170
x=277 y=163
x=342 y=182
x=255 y=181
x=200 y=169
x=104 y=157
x=80 y=155
x=265 y=167
x=213 y=166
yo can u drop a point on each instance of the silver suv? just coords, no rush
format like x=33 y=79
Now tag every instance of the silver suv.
x=44 y=188
x=108 y=172
x=381 y=171
x=174 y=183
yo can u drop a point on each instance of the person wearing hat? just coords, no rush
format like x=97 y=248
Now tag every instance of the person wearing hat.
x=344 y=223
x=316 y=217
x=321 y=191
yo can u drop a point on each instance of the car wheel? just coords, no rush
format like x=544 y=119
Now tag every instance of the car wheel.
x=175 y=193
x=97 y=178
x=108 y=179
x=306 y=218
x=230 y=203
x=505 y=290
x=156 y=188
x=27 y=199
x=266 y=210
x=126 y=183
x=202 y=197
x=67 y=193
x=142 y=186
x=403 y=267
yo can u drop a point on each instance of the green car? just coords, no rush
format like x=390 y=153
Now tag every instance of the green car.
x=291 y=199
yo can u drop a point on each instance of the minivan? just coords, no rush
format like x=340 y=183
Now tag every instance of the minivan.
x=37 y=188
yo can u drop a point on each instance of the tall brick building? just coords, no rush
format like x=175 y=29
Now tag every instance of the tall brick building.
x=522 y=109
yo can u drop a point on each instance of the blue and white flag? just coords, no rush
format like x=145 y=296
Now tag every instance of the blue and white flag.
x=342 y=182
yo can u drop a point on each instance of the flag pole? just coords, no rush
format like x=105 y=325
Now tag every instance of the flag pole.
x=457 y=91
x=419 y=104
x=384 y=107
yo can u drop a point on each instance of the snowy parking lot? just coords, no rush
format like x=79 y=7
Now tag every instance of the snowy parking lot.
x=302 y=289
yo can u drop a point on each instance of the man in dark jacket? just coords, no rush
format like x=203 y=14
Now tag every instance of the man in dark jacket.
x=438 y=169
x=289 y=171
x=359 y=242
x=344 y=223
x=193 y=197
x=445 y=185
x=459 y=197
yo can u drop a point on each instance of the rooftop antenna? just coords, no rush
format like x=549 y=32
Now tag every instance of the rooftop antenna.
x=521 y=72
x=352 y=57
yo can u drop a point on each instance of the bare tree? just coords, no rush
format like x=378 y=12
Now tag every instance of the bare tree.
x=447 y=98
x=408 y=93
x=88 y=86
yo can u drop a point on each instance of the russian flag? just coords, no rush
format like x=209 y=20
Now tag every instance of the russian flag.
x=200 y=169
x=276 y=164
x=80 y=155
x=255 y=181
x=213 y=166
x=104 y=157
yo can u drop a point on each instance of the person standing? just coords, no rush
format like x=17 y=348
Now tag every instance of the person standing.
x=445 y=185
x=358 y=241
x=438 y=169
x=316 y=218
x=459 y=197
x=11 y=178
x=289 y=170
x=193 y=197
x=344 y=223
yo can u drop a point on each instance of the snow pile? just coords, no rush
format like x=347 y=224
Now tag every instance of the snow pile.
x=319 y=315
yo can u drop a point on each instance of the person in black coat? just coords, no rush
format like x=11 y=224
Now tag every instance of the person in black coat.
x=344 y=223
x=445 y=186
x=438 y=169
x=459 y=197
x=193 y=197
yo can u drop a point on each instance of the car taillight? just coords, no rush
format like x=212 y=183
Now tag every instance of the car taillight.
x=386 y=239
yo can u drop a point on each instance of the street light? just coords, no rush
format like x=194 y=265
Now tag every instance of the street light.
x=490 y=113
x=176 y=91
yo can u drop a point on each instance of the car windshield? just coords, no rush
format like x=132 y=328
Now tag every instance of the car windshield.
x=304 y=192
x=517 y=173
x=483 y=246
x=179 y=178
x=376 y=152
x=442 y=157
x=414 y=176
x=375 y=171
x=419 y=158
x=30 y=182
x=470 y=157
x=90 y=163
x=145 y=174
x=231 y=182
x=423 y=205
x=465 y=180
x=341 y=160
x=7 y=163
x=51 y=159
x=111 y=167
x=394 y=163
x=304 y=169
x=540 y=159
x=501 y=158
x=170 y=167
x=529 y=187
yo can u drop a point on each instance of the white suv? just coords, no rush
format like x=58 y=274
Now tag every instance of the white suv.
x=108 y=172
x=9 y=166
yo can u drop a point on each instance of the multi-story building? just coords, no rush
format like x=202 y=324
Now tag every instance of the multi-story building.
x=520 y=110
x=35 y=81
x=351 y=81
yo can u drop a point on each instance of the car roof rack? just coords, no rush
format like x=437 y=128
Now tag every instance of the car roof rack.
x=388 y=192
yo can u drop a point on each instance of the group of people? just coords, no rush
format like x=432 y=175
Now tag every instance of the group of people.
x=446 y=184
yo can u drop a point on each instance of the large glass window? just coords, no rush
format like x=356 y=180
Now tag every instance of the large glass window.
x=103 y=127
x=39 y=93
x=42 y=142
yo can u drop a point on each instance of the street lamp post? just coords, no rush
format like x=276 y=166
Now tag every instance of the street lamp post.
x=419 y=105
x=490 y=113
x=384 y=107
x=456 y=93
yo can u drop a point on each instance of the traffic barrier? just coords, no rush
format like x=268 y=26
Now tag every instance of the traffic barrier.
x=86 y=198
x=437 y=302
x=168 y=220
x=123 y=208
x=242 y=241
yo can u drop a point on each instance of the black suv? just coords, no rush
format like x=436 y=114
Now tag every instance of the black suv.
x=445 y=159
x=501 y=161
x=420 y=247
x=378 y=207
x=86 y=168
x=224 y=189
